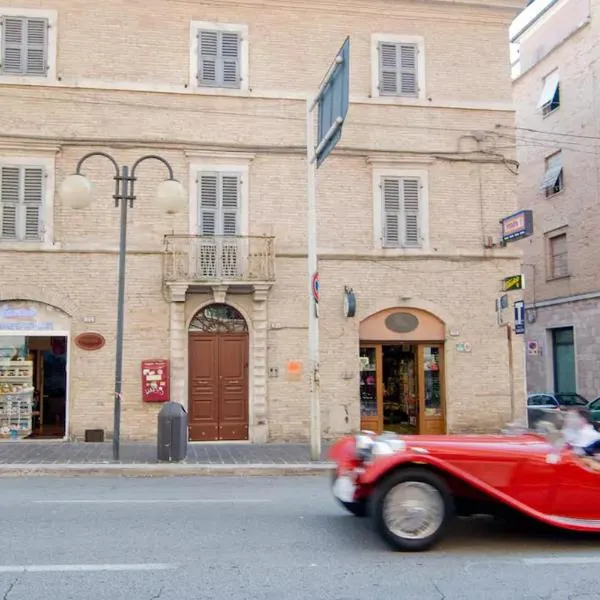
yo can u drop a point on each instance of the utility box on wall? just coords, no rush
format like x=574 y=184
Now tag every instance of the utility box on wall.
x=155 y=380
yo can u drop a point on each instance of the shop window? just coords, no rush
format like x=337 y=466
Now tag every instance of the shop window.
x=22 y=192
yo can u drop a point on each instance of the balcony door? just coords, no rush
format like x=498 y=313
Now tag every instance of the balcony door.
x=219 y=253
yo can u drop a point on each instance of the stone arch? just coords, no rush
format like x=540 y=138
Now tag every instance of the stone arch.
x=42 y=295
x=402 y=324
x=234 y=305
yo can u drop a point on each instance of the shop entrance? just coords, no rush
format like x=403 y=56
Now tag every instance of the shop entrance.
x=402 y=382
x=218 y=375
x=33 y=386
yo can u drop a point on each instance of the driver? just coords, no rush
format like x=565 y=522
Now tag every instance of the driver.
x=580 y=433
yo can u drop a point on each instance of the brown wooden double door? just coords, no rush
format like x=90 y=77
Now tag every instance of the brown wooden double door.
x=218 y=386
x=402 y=387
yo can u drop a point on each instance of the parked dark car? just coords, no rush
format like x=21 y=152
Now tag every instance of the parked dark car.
x=550 y=407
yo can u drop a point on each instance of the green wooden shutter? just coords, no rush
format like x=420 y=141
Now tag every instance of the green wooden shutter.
x=10 y=192
x=411 y=192
x=392 y=211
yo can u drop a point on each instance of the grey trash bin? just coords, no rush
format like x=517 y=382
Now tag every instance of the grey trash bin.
x=172 y=432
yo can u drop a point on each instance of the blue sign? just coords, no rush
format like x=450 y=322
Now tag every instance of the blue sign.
x=519 y=308
x=517 y=226
x=333 y=101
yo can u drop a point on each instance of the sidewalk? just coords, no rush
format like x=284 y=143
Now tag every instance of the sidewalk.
x=32 y=457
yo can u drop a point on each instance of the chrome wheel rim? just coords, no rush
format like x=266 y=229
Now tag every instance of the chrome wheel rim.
x=413 y=510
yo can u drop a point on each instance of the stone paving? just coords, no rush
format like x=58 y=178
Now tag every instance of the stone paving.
x=57 y=452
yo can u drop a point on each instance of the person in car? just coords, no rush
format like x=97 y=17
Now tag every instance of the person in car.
x=580 y=433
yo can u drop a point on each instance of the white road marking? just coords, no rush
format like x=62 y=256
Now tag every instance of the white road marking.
x=158 y=501
x=85 y=568
x=562 y=560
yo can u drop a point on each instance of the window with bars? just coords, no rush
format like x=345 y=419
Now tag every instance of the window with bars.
x=21 y=203
x=398 y=66
x=24 y=49
x=558 y=256
x=219 y=58
x=401 y=212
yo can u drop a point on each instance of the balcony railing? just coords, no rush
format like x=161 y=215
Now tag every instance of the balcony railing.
x=197 y=258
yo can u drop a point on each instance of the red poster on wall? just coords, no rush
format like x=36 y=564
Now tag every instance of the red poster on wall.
x=155 y=380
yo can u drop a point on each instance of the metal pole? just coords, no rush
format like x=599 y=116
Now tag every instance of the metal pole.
x=313 y=323
x=511 y=372
x=124 y=199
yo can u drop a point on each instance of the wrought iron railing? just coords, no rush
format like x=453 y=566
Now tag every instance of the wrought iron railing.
x=189 y=258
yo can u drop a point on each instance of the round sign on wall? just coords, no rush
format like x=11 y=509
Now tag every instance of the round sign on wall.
x=315 y=287
x=90 y=340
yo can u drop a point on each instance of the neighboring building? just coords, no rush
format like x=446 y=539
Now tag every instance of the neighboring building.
x=408 y=212
x=557 y=135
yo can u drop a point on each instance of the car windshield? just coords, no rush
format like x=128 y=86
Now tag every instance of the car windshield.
x=571 y=400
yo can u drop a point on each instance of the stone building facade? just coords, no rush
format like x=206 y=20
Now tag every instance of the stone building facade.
x=556 y=98
x=408 y=209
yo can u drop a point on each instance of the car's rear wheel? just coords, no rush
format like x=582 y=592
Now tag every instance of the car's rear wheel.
x=412 y=509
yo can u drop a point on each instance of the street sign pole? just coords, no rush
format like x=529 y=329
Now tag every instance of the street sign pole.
x=332 y=102
x=313 y=322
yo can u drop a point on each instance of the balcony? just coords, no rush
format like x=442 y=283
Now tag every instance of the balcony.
x=198 y=260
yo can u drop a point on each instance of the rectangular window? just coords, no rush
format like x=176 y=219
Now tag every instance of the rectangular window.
x=219 y=58
x=553 y=181
x=559 y=266
x=398 y=69
x=401 y=212
x=24 y=49
x=550 y=98
x=21 y=203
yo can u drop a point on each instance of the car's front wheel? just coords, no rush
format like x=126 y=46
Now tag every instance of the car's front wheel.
x=412 y=508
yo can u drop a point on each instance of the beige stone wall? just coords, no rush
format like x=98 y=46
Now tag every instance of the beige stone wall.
x=123 y=87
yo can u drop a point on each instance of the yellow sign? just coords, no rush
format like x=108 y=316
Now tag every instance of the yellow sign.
x=515 y=282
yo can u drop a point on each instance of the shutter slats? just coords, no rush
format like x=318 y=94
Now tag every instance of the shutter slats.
x=208 y=204
x=230 y=190
x=24 y=46
x=21 y=199
x=219 y=58
x=401 y=212
x=398 y=69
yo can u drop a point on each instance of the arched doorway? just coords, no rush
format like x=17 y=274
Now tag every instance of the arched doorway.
x=218 y=374
x=402 y=385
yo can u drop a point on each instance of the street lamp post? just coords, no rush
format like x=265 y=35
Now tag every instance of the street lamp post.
x=76 y=190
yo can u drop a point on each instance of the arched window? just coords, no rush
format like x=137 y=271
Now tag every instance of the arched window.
x=219 y=318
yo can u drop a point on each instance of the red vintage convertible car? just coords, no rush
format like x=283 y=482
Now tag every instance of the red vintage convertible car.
x=412 y=486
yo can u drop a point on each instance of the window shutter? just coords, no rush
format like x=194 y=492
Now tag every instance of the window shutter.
x=13 y=45
x=230 y=59
x=411 y=196
x=390 y=189
x=208 y=50
x=408 y=69
x=208 y=205
x=33 y=195
x=10 y=188
x=37 y=46
x=388 y=68
x=230 y=202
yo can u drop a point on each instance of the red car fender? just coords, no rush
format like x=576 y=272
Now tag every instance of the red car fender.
x=377 y=470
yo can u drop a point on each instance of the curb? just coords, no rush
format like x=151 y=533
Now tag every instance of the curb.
x=162 y=470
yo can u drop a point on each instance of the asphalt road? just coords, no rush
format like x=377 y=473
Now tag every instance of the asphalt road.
x=258 y=538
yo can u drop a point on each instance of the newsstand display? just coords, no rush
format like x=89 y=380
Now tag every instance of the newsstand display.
x=16 y=399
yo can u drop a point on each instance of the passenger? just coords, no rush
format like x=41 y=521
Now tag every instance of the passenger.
x=580 y=433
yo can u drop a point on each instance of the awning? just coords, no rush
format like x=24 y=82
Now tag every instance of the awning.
x=551 y=176
x=549 y=89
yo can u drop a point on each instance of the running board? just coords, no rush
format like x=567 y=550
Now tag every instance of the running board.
x=580 y=524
